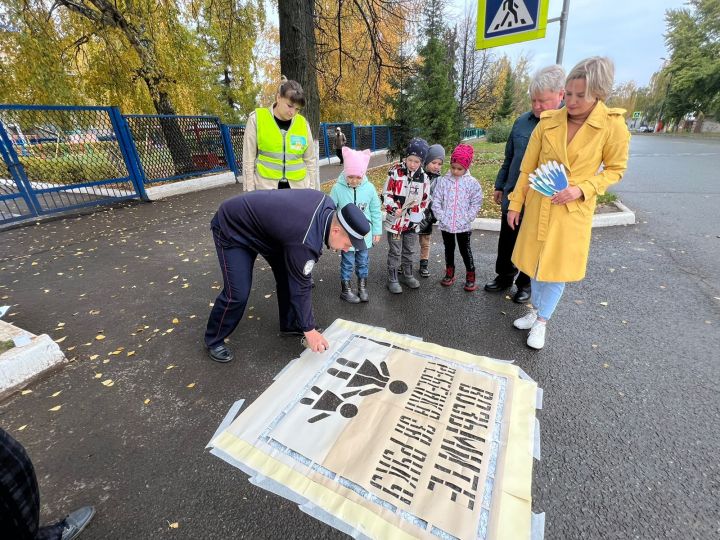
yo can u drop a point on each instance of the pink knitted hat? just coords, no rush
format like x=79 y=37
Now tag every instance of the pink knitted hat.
x=356 y=163
x=462 y=155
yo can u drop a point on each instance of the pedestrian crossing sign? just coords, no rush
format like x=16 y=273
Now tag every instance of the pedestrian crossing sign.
x=502 y=22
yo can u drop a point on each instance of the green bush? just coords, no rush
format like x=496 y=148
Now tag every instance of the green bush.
x=74 y=169
x=499 y=132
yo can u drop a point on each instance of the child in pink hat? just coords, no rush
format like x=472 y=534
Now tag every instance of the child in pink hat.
x=353 y=186
x=456 y=201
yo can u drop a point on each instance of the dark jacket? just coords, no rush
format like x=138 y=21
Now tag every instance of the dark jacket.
x=514 y=151
x=426 y=224
x=287 y=226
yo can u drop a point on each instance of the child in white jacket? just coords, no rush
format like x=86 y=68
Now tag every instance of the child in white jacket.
x=456 y=201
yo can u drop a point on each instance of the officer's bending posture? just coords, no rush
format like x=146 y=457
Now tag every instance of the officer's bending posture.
x=289 y=229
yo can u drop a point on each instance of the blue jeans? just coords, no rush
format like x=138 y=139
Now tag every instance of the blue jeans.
x=545 y=296
x=357 y=259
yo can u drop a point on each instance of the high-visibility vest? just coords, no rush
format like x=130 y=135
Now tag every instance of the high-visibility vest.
x=280 y=157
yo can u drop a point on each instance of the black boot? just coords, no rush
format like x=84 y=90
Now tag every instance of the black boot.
x=392 y=282
x=424 y=271
x=362 y=289
x=449 y=278
x=347 y=294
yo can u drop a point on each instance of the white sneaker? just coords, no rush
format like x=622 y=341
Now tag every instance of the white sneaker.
x=536 y=338
x=526 y=322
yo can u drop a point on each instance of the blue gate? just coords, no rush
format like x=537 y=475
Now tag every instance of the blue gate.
x=58 y=158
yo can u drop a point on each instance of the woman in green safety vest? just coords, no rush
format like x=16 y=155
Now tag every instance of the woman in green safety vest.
x=278 y=148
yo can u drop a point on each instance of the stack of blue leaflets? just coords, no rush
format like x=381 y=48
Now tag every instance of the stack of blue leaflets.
x=549 y=178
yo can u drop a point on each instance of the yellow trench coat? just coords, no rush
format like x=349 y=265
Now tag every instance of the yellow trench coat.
x=554 y=240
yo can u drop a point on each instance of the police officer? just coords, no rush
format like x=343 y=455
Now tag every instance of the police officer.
x=288 y=229
x=278 y=148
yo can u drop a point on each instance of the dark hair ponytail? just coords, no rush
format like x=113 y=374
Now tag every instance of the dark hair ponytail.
x=291 y=90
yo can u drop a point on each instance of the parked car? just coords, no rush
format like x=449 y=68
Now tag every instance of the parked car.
x=645 y=129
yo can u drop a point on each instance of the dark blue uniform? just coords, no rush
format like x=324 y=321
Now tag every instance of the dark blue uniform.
x=288 y=228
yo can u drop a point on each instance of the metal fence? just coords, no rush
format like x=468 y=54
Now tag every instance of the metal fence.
x=472 y=133
x=236 y=133
x=176 y=147
x=358 y=137
x=59 y=158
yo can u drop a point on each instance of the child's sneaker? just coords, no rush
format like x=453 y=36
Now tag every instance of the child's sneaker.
x=449 y=278
x=526 y=322
x=536 y=338
x=470 y=285
x=424 y=270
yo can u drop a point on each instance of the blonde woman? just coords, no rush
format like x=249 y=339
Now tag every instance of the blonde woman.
x=591 y=141
x=278 y=148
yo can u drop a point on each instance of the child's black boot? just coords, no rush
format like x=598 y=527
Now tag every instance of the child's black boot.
x=347 y=294
x=449 y=278
x=424 y=271
x=470 y=284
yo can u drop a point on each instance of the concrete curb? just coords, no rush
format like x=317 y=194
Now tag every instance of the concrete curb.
x=156 y=193
x=20 y=365
x=624 y=217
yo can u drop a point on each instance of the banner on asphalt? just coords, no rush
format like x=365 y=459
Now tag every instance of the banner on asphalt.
x=387 y=435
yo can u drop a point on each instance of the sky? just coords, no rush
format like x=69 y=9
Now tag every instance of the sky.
x=631 y=32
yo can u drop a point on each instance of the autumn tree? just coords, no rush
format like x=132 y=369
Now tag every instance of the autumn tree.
x=433 y=92
x=358 y=44
x=480 y=76
x=693 y=70
x=507 y=105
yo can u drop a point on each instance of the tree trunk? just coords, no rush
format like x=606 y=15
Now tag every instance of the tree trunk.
x=297 y=53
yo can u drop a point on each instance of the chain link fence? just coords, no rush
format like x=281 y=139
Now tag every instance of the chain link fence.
x=174 y=147
x=237 y=134
x=56 y=158
x=69 y=156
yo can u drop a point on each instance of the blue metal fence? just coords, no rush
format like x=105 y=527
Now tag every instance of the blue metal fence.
x=58 y=158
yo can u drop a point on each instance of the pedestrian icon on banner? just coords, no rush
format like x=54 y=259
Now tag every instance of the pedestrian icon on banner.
x=511 y=15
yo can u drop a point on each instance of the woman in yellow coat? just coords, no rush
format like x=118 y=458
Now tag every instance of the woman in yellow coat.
x=591 y=141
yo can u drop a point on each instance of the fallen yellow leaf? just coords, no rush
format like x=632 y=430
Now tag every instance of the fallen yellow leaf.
x=603 y=303
x=108 y=382
x=191 y=385
x=25 y=392
x=98 y=375
x=56 y=394
x=170 y=366
x=60 y=324
x=22 y=427
x=174 y=525
x=176 y=321
x=100 y=337
x=61 y=339
x=146 y=401
x=56 y=408
x=94 y=356
x=131 y=353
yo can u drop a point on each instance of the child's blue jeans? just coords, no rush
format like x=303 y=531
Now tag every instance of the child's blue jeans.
x=357 y=259
x=545 y=296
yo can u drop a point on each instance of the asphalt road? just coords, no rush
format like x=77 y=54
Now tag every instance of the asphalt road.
x=630 y=428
